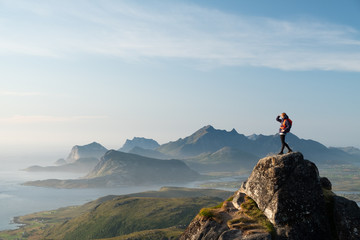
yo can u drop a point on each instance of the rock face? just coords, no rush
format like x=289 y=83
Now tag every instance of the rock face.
x=296 y=202
x=287 y=189
x=140 y=142
x=92 y=150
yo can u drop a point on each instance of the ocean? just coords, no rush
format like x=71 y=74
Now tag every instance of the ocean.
x=18 y=200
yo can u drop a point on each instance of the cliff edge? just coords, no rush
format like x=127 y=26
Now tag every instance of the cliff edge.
x=283 y=198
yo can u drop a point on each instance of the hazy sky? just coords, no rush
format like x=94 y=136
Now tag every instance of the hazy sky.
x=73 y=72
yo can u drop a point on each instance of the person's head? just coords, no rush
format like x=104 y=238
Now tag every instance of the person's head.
x=283 y=115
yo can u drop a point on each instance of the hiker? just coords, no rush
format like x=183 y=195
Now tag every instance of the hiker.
x=284 y=129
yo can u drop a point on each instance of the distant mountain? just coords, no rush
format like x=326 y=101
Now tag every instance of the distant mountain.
x=82 y=165
x=60 y=162
x=126 y=169
x=141 y=142
x=208 y=140
x=149 y=153
x=350 y=150
x=92 y=150
x=81 y=159
x=264 y=145
x=205 y=140
x=226 y=159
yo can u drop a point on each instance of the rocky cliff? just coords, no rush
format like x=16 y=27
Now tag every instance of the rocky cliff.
x=284 y=198
x=141 y=142
x=92 y=150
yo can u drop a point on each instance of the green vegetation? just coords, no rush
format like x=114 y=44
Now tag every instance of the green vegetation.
x=124 y=215
x=207 y=213
x=210 y=212
x=251 y=209
x=131 y=215
x=156 y=234
x=230 y=199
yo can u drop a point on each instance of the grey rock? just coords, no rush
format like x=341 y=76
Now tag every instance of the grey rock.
x=325 y=183
x=287 y=189
x=203 y=229
x=290 y=192
x=232 y=234
x=346 y=219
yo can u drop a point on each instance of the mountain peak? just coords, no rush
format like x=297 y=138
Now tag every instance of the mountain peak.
x=141 y=142
x=208 y=128
x=234 y=131
x=283 y=198
x=94 y=149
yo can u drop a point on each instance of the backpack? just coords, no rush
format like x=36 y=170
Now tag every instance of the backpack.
x=290 y=122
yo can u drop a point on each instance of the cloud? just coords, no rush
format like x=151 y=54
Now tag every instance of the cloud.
x=22 y=119
x=126 y=30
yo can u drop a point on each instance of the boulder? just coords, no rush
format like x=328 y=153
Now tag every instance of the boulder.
x=283 y=198
x=325 y=183
x=287 y=189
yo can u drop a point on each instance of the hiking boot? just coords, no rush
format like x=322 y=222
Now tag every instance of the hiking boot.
x=290 y=151
x=280 y=153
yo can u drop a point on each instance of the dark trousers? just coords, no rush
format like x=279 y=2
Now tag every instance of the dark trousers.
x=283 y=143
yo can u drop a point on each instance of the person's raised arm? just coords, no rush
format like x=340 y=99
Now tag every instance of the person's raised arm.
x=278 y=118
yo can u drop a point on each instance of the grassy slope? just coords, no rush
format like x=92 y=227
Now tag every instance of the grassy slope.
x=155 y=234
x=110 y=215
x=124 y=215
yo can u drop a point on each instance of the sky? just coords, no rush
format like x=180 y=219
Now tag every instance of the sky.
x=74 y=72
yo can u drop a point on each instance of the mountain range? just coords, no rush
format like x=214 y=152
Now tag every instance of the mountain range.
x=210 y=140
x=206 y=150
x=125 y=169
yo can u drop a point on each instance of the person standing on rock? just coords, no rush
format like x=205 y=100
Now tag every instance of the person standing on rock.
x=284 y=129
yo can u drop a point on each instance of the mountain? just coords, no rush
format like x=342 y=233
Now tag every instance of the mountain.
x=81 y=159
x=205 y=140
x=60 y=162
x=209 y=140
x=147 y=215
x=148 y=153
x=283 y=198
x=143 y=143
x=351 y=150
x=82 y=165
x=92 y=150
x=226 y=159
x=120 y=169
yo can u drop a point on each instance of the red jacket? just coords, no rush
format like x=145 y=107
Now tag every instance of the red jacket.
x=285 y=124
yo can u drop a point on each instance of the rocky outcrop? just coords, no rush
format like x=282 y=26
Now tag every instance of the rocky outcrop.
x=283 y=198
x=140 y=142
x=92 y=150
x=287 y=189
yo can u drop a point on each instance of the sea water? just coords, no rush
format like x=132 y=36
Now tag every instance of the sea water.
x=18 y=200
